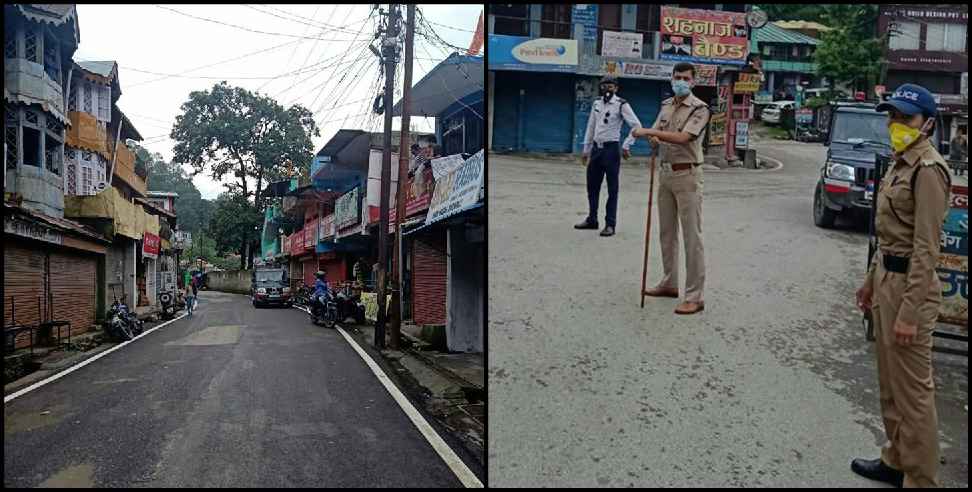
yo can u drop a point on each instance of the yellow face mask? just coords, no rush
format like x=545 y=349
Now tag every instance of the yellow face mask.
x=902 y=136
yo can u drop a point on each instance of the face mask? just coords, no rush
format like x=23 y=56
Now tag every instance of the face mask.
x=607 y=95
x=902 y=136
x=681 y=88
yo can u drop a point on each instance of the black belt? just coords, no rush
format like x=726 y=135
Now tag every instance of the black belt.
x=604 y=144
x=896 y=264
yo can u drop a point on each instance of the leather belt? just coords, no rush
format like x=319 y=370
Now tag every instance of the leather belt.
x=683 y=166
x=602 y=145
x=896 y=264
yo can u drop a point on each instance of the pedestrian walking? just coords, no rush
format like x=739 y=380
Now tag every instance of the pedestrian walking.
x=958 y=148
x=903 y=293
x=190 y=299
x=677 y=133
x=602 y=154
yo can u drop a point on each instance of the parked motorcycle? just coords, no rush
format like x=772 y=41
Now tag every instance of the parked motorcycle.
x=323 y=310
x=170 y=307
x=120 y=322
x=303 y=295
x=350 y=305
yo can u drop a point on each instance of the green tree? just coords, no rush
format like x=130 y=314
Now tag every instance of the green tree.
x=193 y=210
x=234 y=226
x=787 y=11
x=246 y=137
x=852 y=51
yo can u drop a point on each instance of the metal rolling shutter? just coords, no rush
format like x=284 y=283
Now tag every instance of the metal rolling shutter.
x=506 y=113
x=548 y=112
x=429 y=277
x=23 y=284
x=73 y=289
x=645 y=97
x=310 y=268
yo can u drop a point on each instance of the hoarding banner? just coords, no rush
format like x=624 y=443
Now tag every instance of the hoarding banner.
x=346 y=209
x=748 y=83
x=706 y=36
x=621 y=44
x=457 y=191
x=705 y=75
x=150 y=245
x=524 y=53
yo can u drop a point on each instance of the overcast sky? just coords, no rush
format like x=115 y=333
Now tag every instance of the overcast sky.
x=335 y=76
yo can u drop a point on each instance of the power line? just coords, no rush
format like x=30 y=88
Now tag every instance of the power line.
x=293 y=72
x=248 y=29
x=298 y=19
x=452 y=94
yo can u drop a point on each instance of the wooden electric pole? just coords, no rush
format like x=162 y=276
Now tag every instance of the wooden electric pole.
x=404 y=154
x=389 y=53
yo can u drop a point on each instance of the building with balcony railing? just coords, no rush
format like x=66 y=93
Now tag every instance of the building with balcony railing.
x=545 y=61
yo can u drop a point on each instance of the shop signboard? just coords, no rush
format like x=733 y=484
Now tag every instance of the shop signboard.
x=310 y=234
x=621 y=44
x=347 y=209
x=457 y=191
x=748 y=83
x=150 y=245
x=327 y=227
x=705 y=75
x=286 y=244
x=297 y=243
x=525 y=53
x=742 y=134
x=705 y=36
x=15 y=225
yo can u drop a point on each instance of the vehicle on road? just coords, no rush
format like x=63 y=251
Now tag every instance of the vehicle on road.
x=349 y=305
x=270 y=286
x=773 y=111
x=846 y=184
x=323 y=310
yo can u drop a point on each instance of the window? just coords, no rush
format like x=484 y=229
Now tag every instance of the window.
x=945 y=37
x=30 y=46
x=87 y=185
x=73 y=98
x=556 y=21
x=54 y=126
x=31 y=146
x=10 y=137
x=52 y=57
x=104 y=103
x=510 y=19
x=86 y=87
x=10 y=44
x=70 y=154
x=608 y=19
x=31 y=118
x=904 y=36
x=71 y=179
x=52 y=155
x=647 y=23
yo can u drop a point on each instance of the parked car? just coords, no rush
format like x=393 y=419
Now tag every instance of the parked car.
x=846 y=184
x=270 y=286
x=773 y=111
x=829 y=94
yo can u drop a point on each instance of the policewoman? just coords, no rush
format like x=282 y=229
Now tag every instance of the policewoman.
x=903 y=293
x=601 y=144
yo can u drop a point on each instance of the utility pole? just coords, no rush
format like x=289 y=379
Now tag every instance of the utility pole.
x=389 y=53
x=404 y=154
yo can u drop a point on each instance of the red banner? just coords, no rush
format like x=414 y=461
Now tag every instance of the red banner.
x=286 y=245
x=297 y=243
x=707 y=36
x=150 y=245
x=310 y=233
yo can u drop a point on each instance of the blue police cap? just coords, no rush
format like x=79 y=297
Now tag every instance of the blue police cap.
x=911 y=99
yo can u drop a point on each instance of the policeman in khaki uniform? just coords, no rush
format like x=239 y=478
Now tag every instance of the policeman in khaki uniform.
x=903 y=293
x=603 y=133
x=678 y=132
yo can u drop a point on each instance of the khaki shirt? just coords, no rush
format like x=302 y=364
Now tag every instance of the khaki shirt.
x=909 y=221
x=674 y=118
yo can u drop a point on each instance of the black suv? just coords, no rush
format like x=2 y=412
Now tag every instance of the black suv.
x=271 y=287
x=846 y=185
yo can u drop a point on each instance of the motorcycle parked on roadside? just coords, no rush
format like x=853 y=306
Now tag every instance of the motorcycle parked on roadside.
x=323 y=310
x=350 y=305
x=120 y=322
x=170 y=307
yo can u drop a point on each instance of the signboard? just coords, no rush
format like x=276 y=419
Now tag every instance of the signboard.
x=285 y=243
x=346 y=209
x=457 y=191
x=327 y=227
x=524 y=53
x=32 y=230
x=919 y=59
x=297 y=243
x=748 y=83
x=953 y=262
x=150 y=245
x=804 y=115
x=742 y=134
x=585 y=14
x=310 y=234
x=621 y=44
x=717 y=127
x=705 y=75
x=442 y=166
x=706 y=36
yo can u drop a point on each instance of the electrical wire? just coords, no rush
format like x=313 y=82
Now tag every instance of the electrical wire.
x=298 y=19
x=246 y=28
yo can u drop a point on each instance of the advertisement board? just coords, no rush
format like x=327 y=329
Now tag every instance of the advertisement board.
x=150 y=245
x=525 y=53
x=457 y=191
x=748 y=83
x=705 y=36
x=742 y=134
x=621 y=44
x=705 y=75
x=346 y=209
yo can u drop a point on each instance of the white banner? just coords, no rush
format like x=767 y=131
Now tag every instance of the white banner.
x=621 y=44
x=442 y=166
x=458 y=190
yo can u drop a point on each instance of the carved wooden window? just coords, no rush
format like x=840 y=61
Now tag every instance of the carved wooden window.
x=54 y=126
x=70 y=154
x=71 y=178
x=30 y=117
x=73 y=99
x=86 y=155
x=30 y=45
x=88 y=89
x=52 y=59
x=104 y=103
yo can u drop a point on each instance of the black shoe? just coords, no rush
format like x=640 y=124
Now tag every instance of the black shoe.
x=608 y=231
x=877 y=470
x=587 y=224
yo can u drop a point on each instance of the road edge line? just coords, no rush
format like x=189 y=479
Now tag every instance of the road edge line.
x=51 y=379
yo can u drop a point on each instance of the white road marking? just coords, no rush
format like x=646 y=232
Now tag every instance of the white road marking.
x=71 y=369
x=463 y=473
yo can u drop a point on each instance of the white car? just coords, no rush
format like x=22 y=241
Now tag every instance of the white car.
x=771 y=113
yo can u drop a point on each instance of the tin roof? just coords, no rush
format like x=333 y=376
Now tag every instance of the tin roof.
x=799 y=24
x=771 y=33
x=62 y=224
x=104 y=68
x=451 y=80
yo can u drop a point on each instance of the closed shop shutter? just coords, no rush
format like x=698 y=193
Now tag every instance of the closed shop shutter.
x=73 y=289
x=309 y=265
x=645 y=97
x=429 y=277
x=23 y=285
x=506 y=96
x=335 y=269
x=548 y=111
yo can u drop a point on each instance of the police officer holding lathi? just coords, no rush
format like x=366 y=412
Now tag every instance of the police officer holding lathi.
x=903 y=293
x=603 y=134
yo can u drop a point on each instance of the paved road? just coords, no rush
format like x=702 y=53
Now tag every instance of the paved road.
x=773 y=385
x=236 y=397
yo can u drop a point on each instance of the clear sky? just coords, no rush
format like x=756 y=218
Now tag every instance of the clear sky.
x=315 y=55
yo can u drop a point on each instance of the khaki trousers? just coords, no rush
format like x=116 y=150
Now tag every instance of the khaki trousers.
x=906 y=383
x=680 y=201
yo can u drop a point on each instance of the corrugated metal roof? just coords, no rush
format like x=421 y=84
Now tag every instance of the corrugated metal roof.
x=451 y=80
x=799 y=24
x=104 y=68
x=771 y=33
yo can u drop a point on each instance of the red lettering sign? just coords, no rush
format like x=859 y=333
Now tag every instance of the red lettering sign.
x=150 y=245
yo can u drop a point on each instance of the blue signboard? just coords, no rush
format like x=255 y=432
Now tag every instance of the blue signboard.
x=535 y=54
x=585 y=14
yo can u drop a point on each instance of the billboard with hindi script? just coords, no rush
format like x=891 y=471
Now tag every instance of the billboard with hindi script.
x=704 y=36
